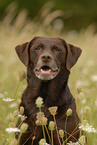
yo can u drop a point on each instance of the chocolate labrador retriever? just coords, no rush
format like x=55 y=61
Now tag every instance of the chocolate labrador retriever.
x=48 y=62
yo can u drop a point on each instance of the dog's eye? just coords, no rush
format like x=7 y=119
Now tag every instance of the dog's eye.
x=57 y=49
x=37 y=48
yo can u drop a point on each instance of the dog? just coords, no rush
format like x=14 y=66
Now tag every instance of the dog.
x=48 y=61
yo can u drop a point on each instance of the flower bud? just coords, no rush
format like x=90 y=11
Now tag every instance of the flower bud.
x=82 y=140
x=40 y=116
x=38 y=122
x=24 y=127
x=44 y=121
x=61 y=133
x=39 y=102
x=69 y=112
x=53 y=110
x=21 y=110
x=51 y=125
x=42 y=141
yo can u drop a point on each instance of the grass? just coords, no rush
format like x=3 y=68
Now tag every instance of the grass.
x=83 y=76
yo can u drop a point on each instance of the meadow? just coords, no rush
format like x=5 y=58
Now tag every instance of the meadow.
x=83 y=77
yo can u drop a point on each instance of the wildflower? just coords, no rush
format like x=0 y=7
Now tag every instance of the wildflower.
x=82 y=140
x=42 y=141
x=86 y=127
x=39 y=102
x=61 y=133
x=8 y=99
x=21 y=110
x=69 y=112
x=40 y=116
x=24 y=127
x=51 y=125
x=10 y=130
x=19 y=115
x=44 y=121
x=73 y=143
x=38 y=122
x=53 y=110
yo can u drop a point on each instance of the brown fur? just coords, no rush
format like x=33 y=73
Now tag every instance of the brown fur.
x=55 y=92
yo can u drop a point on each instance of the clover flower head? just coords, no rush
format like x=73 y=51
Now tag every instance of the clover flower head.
x=69 y=112
x=51 y=125
x=53 y=110
x=21 y=110
x=40 y=116
x=42 y=141
x=82 y=140
x=39 y=102
x=61 y=133
x=44 y=121
x=24 y=127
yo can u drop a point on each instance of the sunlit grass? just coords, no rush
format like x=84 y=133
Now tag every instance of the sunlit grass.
x=83 y=76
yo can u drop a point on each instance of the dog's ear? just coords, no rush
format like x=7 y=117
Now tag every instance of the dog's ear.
x=22 y=52
x=73 y=53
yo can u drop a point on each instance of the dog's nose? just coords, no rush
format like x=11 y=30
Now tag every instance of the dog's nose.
x=46 y=57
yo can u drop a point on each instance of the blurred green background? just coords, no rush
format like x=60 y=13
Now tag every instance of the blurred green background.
x=77 y=13
x=76 y=22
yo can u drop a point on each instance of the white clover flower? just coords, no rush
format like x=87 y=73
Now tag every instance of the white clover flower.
x=73 y=143
x=10 y=130
x=86 y=127
x=19 y=115
x=8 y=99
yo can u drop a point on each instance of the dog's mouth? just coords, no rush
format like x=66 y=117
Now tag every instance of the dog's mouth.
x=46 y=72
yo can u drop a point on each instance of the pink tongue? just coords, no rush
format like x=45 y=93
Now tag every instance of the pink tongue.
x=46 y=72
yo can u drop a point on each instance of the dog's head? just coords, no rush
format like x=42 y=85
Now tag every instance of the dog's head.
x=48 y=56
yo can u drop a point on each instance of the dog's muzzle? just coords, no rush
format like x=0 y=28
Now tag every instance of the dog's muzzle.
x=46 y=72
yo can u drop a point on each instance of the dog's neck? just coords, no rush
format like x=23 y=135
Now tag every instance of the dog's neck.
x=51 y=91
